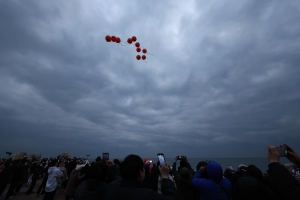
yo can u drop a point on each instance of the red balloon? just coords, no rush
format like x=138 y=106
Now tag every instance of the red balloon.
x=137 y=44
x=107 y=38
x=113 y=38
x=129 y=40
x=138 y=57
x=133 y=38
x=118 y=40
x=144 y=50
x=143 y=57
x=138 y=49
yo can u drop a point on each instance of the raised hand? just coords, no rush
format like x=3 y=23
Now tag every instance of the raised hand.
x=292 y=155
x=273 y=154
x=164 y=170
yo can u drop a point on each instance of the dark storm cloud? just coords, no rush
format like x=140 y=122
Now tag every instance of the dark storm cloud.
x=224 y=76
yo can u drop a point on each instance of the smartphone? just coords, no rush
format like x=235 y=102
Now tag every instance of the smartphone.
x=181 y=157
x=105 y=156
x=282 y=151
x=161 y=159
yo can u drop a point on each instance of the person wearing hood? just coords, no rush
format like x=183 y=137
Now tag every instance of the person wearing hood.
x=54 y=173
x=214 y=186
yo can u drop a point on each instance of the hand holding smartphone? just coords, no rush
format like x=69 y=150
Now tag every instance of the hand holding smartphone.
x=282 y=150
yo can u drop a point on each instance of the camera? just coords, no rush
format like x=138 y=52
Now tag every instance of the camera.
x=282 y=151
x=181 y=157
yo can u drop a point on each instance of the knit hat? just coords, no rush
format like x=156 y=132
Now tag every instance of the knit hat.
x=229 y=167
x=145 y=160
x=242 y=168
x=149 y=167
x=184 y=173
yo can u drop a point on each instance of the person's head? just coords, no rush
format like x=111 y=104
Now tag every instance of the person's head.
x=98 y=171
x=253 y=171
x=214 y=171
x=229 y=170
x=184 y=173
x=146 y=160
x=132 y=167
x=201 y=164
x=54 y=163
x=98 y=159
x=182 y=164
x=242 y=168
x=116 y=161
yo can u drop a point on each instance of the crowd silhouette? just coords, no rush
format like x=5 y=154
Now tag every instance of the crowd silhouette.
x=135 y=178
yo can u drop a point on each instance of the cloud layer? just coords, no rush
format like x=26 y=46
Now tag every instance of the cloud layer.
x=222 y=82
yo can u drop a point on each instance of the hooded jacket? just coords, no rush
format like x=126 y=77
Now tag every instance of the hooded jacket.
x=284 y=182
x=215 y=186
x=53 y=174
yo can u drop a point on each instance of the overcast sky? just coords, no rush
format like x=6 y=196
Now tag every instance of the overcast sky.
x=223 y=80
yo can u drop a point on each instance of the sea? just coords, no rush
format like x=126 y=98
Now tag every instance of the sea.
x=261 y=163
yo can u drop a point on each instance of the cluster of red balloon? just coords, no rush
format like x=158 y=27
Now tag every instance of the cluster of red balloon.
x=113 y=39
x=131 y=40
x=138 y=49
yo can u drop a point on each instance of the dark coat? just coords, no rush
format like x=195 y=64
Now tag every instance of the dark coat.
x=113 y=173
x=137 y=190
x=248 y=188
x=5 y=175
x=73 y=180
x=284 y=182
x=90 y=190
x=184 y=188
x=151 y=177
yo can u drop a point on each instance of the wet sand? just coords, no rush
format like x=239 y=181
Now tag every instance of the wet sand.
x=22 y=196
